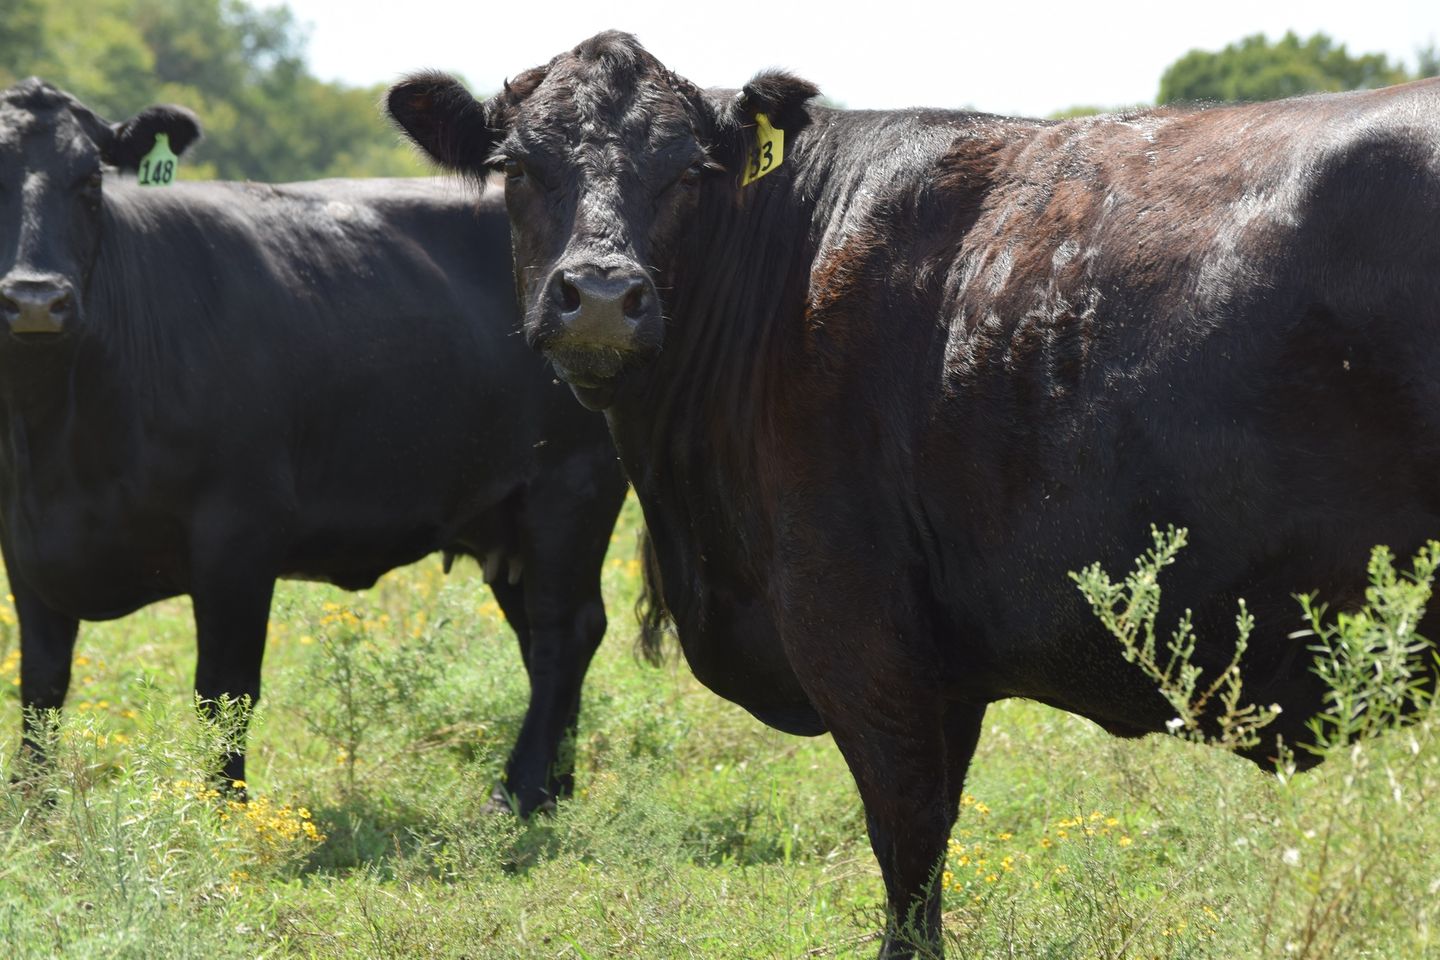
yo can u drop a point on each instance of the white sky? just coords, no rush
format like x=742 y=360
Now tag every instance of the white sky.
x=1019 y=58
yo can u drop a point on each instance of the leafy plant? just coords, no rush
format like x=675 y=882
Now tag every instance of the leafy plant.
x=1129 y=609
x=361 y=686
x=1344 y=847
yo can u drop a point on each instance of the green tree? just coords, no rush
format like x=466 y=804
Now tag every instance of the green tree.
x=1079 y=110
x=240 y=68
x=1427 y=61
x=21 y=31
x=1092 y=110
x=1256 y=69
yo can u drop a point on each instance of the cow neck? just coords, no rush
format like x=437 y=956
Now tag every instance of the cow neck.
x=38 y=374
x=145 y=288
x=699 y=430
x=82 y=391
x=689 y=432
x=59 y=417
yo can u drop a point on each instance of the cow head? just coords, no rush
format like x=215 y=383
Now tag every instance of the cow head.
x=53 y=150
x=606 y=155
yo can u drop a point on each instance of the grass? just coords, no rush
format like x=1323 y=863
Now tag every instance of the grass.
x=695 y=832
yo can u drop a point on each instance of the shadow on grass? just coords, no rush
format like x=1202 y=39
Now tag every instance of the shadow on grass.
x=369 y=832
x=391 y=838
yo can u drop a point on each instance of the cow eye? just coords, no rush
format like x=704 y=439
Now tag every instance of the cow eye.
x=514 y=169
x=692 y=174
x=89 y=187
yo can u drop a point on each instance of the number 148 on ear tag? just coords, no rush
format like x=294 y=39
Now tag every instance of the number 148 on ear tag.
x=157 y=168
x=768 y=152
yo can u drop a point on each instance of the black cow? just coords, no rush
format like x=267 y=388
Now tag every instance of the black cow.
x=207 y=386
x=877 y=400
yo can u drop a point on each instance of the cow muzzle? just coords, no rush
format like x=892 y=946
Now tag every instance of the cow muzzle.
x=37 y=305
x=598 y=321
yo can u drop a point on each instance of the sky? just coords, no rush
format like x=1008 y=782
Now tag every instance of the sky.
x=1016 y=58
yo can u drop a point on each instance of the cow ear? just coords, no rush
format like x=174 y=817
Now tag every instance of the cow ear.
x=132 y=139
x=779 y=95
x=443 y=119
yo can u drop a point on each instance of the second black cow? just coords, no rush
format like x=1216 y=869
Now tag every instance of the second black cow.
x=208 y=386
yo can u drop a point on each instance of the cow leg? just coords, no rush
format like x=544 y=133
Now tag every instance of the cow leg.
x=560 y=651
x=863 y=661
x=962 y=733
x=910 y=768
x=565 y=535
x=899 y=768
x=511 y=598
x=566 y=618
x=47 y=645
x=232 y=611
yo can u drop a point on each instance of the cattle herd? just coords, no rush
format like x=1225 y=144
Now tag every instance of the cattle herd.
x=878 y=379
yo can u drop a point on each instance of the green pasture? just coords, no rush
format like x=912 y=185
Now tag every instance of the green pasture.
x=695 y=831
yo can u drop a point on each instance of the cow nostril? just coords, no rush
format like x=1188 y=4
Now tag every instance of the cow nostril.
x=568 y=295
x=62 y=304
x=634 y=301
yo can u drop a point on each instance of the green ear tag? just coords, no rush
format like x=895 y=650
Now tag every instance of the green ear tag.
x=157 y=168
x=768 y=152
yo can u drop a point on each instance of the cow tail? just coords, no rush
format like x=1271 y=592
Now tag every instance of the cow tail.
x=650 y=609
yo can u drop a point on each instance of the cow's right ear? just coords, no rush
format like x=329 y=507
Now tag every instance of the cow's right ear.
x=132 y=139
x=443 y=119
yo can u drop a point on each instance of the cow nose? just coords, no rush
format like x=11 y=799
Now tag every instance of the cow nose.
x=599 y=308
x=36 y=306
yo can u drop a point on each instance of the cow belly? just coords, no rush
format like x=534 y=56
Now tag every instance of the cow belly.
x=355 y=563
x=1040 y=639
x=356 y=570
x=93 y=578
x=353 y=548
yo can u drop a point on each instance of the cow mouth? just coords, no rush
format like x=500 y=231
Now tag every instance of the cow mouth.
x=578 y=375
x=37 y=331
x=592 y=373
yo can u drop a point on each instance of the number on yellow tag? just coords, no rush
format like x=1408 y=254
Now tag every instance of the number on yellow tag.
x=768 y=152
x=157 y=168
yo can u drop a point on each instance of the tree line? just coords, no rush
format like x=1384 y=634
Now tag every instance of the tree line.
x=1256 y=69
x=242 y=68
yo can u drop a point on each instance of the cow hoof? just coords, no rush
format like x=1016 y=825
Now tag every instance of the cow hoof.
x=229 y=790
x=503 y=801
x=31 y=779
x=31 y=783
x=498 y=804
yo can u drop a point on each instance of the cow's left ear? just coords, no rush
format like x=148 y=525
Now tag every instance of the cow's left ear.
x=132 y=139
x=779 y=95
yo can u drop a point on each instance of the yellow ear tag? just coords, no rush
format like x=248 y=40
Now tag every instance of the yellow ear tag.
x=768 y=153
x=157 y=168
